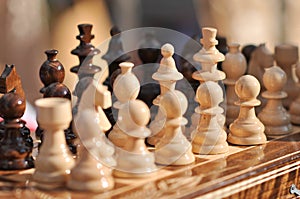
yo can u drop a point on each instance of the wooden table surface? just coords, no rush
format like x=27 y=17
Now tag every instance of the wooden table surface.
x=264 y=171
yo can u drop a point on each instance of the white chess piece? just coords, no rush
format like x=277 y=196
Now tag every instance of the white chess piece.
x=167 y=75
x=247 y=129
x=208 y=57
x=126 y=87
x=92 y=172
x=274 y=116
x=173 y=148
x=54 y=160
x=134 y=160
x=209 y=137
x=234 y=66
x=93 y=168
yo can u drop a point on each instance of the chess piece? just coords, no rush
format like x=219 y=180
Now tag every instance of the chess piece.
x=114 y=56
x=91 y=173
x=167 y=76
x=59 y=90
x=52 y=75
x=187 y=63
x=209 y=137
x=173 y=148
x=54 y=160
x=134 y=160
x=208 y=57
x=16 y=143
x=286 y=55
x=149 y=49
x=247 y=129
x=222 y=47
x=294 y=108
x=234 y=66
x=276 y=119
x=96 y=97
x=85 y=52
x=260 y=58
x=51 y=70
x=148 y=52
x=126 y=87
x=247 y=51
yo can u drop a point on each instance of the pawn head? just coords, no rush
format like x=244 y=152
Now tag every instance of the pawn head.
x=135 y=113
x=209 y=94
x=274 y=79
x=174 y=104
x=247 y=88
x=167 y=50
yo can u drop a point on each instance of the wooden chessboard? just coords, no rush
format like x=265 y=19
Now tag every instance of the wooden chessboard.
x=264 y=171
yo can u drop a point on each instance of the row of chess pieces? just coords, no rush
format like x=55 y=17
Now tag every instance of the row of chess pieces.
x=124 y=153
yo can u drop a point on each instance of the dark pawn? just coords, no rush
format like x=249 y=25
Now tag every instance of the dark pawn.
x=51 y=70
x=16 y=144
x=114 y=56
x=57 y=89
x=85 y=52
x=149 y=54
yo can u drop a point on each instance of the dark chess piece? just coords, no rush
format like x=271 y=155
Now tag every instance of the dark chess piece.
x=247 y=51
x=51 y=70
x=114 y=56
x=16 y=144
x=85 y=52
x=80 y=87
x=52 y=74
x=149 y=53
x=187 y=63
x=149 y=49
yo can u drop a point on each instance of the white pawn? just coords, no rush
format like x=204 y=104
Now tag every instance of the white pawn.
x=92 y=173
x=54 y=161
x=234 y=66
x=274 y=116
x=134 y=160
x=126 y=87
x=247 y=129
x=167 y=75
x=173 y=148
x=209 y=137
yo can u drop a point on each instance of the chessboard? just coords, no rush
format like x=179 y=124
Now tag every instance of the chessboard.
x=149 y=157
x=263 y=171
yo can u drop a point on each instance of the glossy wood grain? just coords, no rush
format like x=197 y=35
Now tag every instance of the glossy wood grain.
x=263 y=171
